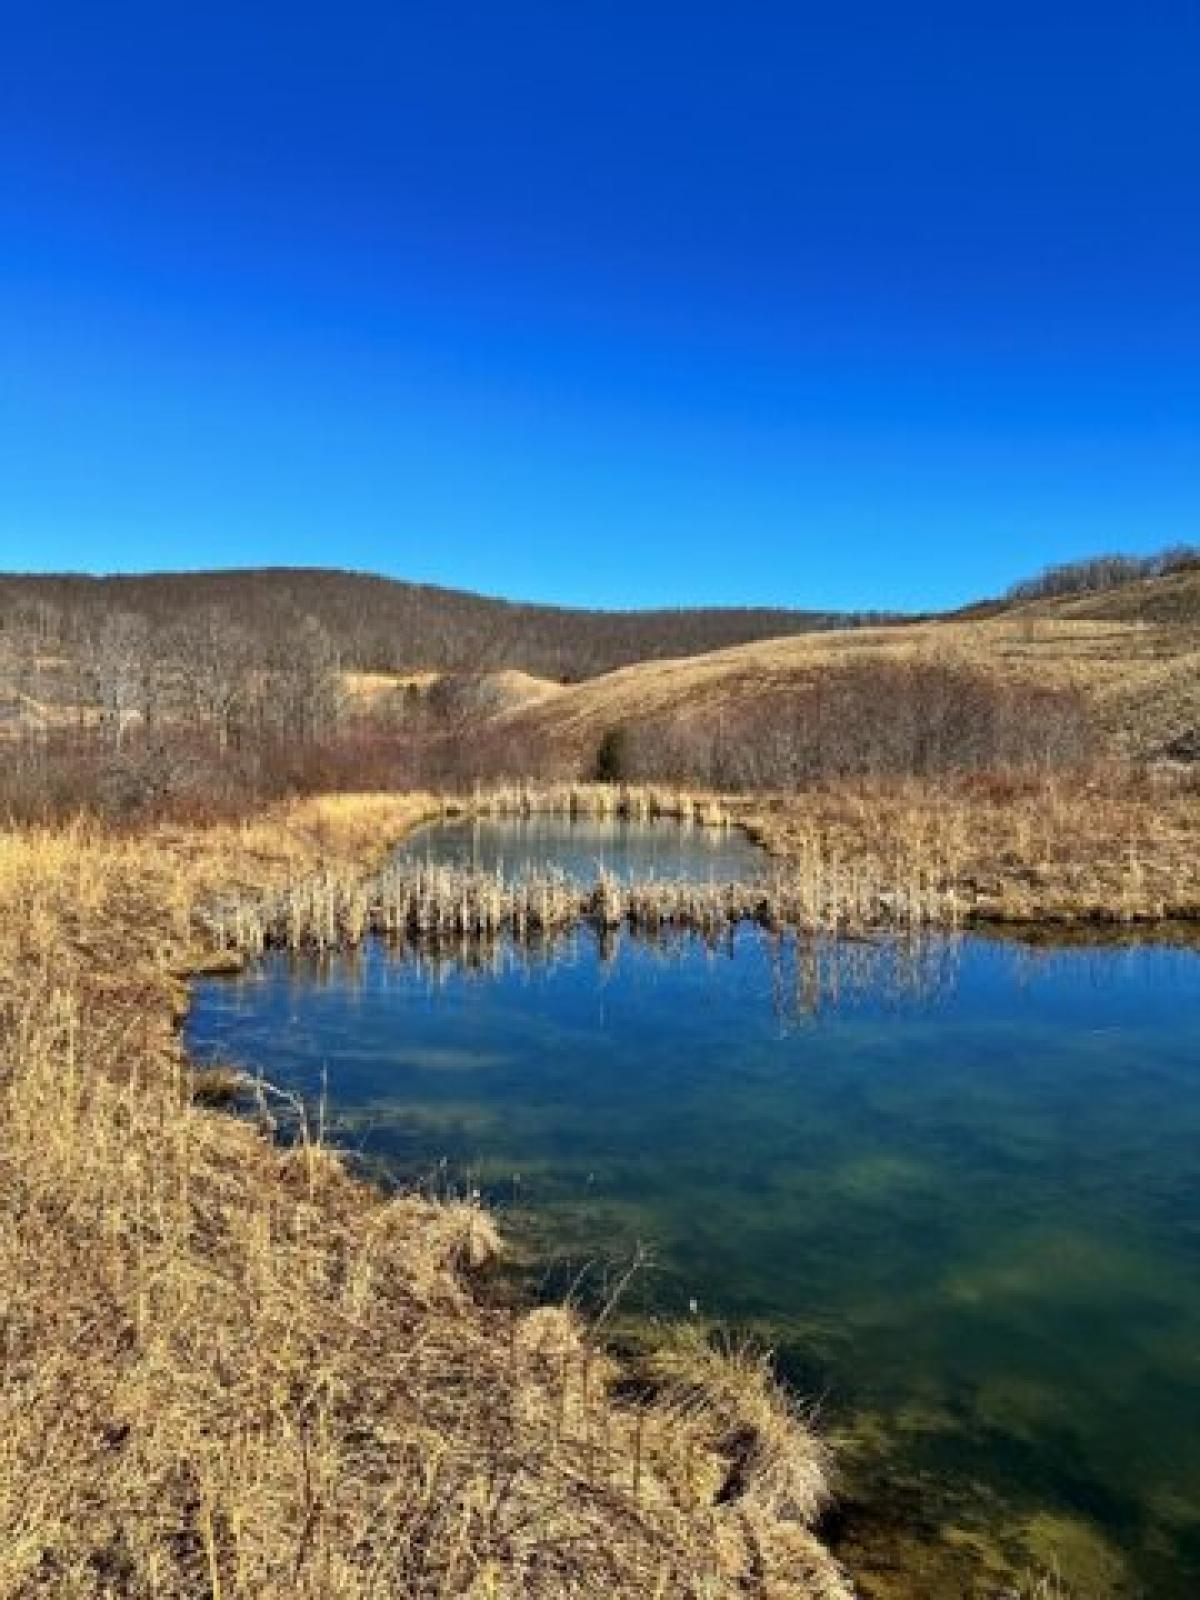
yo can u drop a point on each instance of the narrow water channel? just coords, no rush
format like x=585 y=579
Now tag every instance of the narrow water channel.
x=956 y=1187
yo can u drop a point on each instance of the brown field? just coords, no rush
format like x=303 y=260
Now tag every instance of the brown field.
x=230 y=1369
x=365 y=690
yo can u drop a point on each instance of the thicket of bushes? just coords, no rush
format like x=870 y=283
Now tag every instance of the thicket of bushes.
x=866 y=719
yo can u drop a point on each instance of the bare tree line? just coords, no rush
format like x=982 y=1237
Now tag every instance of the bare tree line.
x=130 y=713
x=1101 y=573
x=384 y=625
x=207 y=673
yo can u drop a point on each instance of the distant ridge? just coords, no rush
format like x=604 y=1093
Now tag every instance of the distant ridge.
x=389 y=625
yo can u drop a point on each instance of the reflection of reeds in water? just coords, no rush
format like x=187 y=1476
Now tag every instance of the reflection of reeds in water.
x=808 y=973
x=814 y=973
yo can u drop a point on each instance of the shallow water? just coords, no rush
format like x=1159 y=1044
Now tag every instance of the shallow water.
x=957 y=1187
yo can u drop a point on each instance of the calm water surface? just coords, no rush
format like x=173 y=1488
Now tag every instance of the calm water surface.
x=958 y=1188
x=584 y=848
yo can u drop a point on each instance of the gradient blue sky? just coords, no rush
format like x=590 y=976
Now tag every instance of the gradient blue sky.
x=613 y=303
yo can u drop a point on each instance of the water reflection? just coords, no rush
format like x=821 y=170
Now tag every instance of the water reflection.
x=809 y=972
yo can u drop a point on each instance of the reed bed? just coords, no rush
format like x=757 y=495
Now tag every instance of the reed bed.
x=1114 y=844
x=423 y=901
x=1110 y=843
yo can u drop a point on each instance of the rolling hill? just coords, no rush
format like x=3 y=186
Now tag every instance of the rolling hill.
x=1134 y=652
x=563 y=678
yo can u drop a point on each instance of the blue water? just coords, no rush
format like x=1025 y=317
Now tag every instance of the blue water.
x=957 y=1187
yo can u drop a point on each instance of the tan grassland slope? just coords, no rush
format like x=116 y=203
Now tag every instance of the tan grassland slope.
x=1135 y=653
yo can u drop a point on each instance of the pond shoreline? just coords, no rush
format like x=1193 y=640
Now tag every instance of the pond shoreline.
x=1106 y=937
x=358 y=855
x=863 y=1522
x=822 y=883
x=271 y=1272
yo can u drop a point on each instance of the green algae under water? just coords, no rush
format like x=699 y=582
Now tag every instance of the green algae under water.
x=956 y=1187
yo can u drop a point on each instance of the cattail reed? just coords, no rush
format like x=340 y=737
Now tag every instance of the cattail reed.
x=442 y=904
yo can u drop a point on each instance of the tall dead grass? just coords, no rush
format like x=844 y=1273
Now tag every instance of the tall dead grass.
x=440 y=904
x=230 y=1370
x=1111 y=843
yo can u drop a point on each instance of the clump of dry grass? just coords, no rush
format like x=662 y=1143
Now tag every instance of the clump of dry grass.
x=231 y=1370
x=727 y=1391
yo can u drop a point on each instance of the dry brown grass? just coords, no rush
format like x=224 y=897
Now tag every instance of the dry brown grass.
x=230 y=1370
x=1112 y=844
x=636 y=802
x=367 y=690
x=508 y=688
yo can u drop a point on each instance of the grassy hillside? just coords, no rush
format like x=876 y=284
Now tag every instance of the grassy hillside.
x=1133 y=652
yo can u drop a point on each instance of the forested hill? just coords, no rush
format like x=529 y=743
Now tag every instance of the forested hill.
x=382 y=624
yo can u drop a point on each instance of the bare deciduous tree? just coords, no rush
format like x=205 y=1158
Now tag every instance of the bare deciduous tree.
x=213 y=664
x=116 y=657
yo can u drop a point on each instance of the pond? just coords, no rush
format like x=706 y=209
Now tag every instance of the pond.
x=955 y=1185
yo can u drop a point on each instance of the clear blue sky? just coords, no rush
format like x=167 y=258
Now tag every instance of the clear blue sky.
x=605 y=303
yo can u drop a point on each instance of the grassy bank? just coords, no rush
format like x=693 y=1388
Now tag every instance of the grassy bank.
x=1108 y=844
x=229 y=1369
